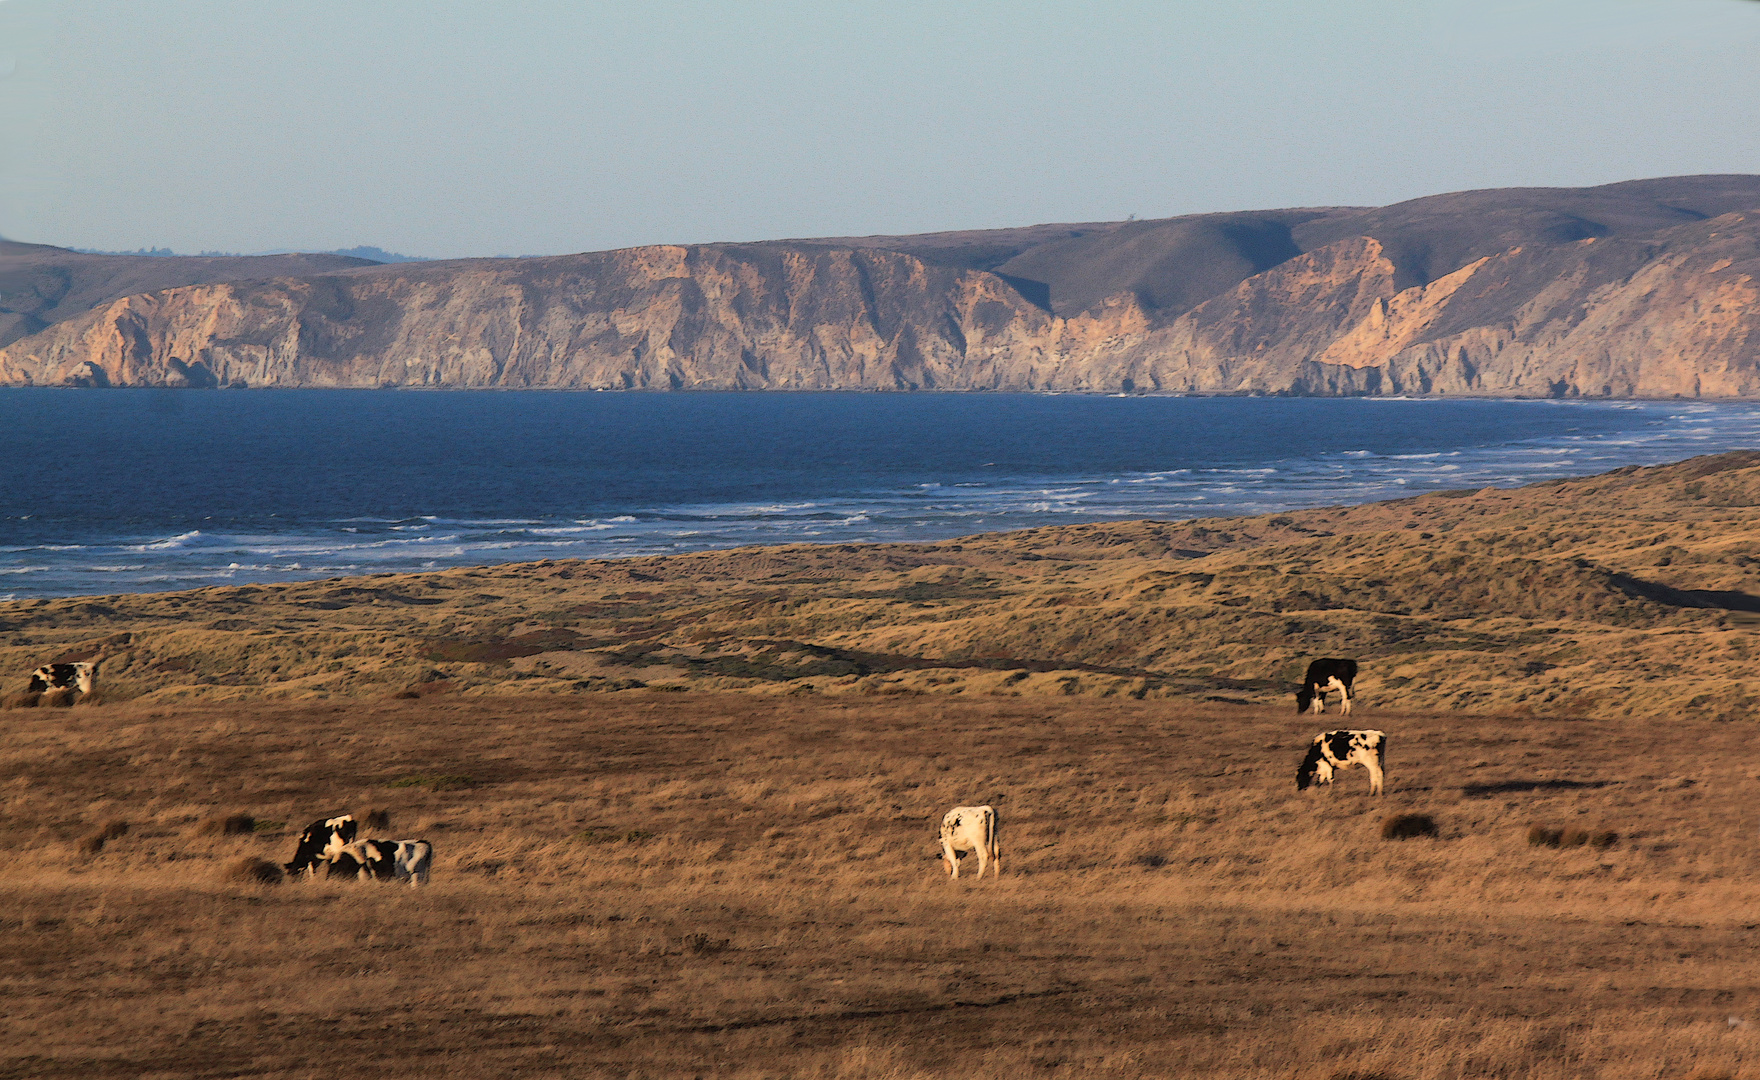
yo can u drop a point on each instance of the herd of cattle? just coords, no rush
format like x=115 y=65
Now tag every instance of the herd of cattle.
x=974 y=829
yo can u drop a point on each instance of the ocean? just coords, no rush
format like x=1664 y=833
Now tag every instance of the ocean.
x=146 y=490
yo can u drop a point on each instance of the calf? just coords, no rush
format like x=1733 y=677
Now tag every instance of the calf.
x=1334 y=750
x=320 y=839
x=1325 y=675
x=382 y=860
x=970 y=828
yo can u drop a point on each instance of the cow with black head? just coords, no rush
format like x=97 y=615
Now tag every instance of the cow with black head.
x=1323 y=677
x=1334 y=750
x=319 y=840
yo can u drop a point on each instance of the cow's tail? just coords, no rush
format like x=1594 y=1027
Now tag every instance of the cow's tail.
x=992 y=839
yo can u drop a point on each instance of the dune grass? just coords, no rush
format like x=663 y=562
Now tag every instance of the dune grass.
x=1632 y=594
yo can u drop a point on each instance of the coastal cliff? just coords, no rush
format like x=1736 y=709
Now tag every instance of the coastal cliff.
x=1625 y=291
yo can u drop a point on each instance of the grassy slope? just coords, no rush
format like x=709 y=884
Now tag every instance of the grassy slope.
x=1631 y=593
x=1170 y=906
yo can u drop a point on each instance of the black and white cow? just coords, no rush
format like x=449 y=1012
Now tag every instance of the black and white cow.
x=1323 y=676
x=81 y=677
x=321 y=837
x=1334 y=750
x=383 y=860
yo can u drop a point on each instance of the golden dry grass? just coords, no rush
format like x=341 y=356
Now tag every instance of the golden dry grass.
x=663 y=885
x=1631 y=594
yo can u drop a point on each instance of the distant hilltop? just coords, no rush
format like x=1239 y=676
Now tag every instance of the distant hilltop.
x=364 y=251
x=1638 y=289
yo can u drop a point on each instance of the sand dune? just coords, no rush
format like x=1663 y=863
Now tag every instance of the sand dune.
x=1627 y=594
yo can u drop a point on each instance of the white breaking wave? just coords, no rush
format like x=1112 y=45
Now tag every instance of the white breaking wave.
x=903 y=507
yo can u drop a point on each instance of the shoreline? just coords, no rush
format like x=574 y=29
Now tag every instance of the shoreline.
x=302 y=486
x=1567 y=597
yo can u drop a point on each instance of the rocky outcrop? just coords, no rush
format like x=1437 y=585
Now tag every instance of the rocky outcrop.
x=1660 y=303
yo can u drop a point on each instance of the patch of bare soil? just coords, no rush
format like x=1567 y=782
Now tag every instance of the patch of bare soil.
x=658 y=885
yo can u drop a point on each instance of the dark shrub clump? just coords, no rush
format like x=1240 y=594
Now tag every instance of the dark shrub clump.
x=1547 y=836
x=93 y=844
x=251 y=870
x=1407 y=826
x=1544 y=836
x=230 y=825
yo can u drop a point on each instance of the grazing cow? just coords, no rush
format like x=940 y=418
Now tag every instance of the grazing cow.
x=970 y=828
x=1333 y=750
x=56 y=686
x=82 y=677
x=320 y=839
x=1323 y=676
x=381 y=860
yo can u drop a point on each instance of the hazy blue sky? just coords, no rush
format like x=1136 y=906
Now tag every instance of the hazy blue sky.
x=450 y=129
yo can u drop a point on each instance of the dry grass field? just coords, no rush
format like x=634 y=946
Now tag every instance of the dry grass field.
x=647 y=884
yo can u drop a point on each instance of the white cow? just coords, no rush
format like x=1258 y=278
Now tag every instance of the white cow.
x=970 y=828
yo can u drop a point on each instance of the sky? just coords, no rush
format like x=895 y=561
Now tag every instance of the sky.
x=450 y=129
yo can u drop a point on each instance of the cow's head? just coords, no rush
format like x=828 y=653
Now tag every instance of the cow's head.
x=85 y=676
x=1304 y=699
x=1315 y=769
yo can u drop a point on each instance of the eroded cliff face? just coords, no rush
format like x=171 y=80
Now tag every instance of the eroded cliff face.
x=1667 y=313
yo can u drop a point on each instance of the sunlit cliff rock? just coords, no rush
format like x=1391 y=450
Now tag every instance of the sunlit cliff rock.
x=1631 y=290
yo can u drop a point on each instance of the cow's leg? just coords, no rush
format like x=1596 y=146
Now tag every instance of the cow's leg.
x=950 y=856
x=1375 y=775
x=983 y=853
x=1344 y=694
x=1319 y=706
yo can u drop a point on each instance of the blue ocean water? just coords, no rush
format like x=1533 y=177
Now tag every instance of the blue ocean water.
x=146 y=490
